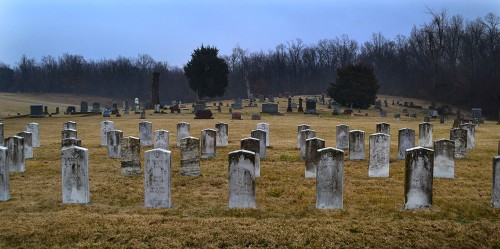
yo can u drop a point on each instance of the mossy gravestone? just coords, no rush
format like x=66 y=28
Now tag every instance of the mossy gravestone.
x=241 y=179
x=75 y=175
x=356 y=145
x=444 y=158
x=419 y=178
x=158 y=179
x=378 y=164
x=425 y=135
x=330 y=179
x=208 y=143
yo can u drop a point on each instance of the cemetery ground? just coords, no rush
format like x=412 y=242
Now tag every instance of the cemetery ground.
x=373 y=214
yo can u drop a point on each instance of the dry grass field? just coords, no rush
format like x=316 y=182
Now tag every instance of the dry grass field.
x=285 y=217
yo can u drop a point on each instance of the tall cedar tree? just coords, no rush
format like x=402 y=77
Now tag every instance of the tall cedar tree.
x=356 y=85
x=207 y=73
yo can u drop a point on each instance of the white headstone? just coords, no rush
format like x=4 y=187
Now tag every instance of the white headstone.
x=146 y=133
x=242 y=179
x=444 y=159
x=106 y=125
x=190 y=156
x=34 y=128
x=312 y=155
x=28 y=144
x=161 y=139
x=470 y=128
x=131 y=156
x=222 y=134
x=406 y=140
x=495 y=188
x=356 y=145
x=2 y=138
x=342 y=137
x=330 y=179
x=380 y=146
x=299 y=134
x=459 y=136
x=418 y=178
x=16 y=160
x=182 y=132
x=75 y=175
x=70 y=125
x=265 y=127
x=261 y=135
x=425 y=135
x=158 y=179
x=114 y=146
x=208 y=143
x=253 y=145
x=383 y=128
x=4 y=174
x=306 y=134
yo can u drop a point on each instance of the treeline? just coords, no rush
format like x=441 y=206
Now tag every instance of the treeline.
x=448 y=60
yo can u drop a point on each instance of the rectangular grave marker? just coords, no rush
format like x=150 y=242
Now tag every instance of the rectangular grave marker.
x=444 y=158
x=265 y=127
x=75 y=175
x=406 y=140
x=342 y=137
x=380 y=146
x=299 y=134
x=158 y=179
x=459 y=136
x=495 y=187
x=146 y=133
x=305 y=134
x=241 y=179
x=34 y=128
x=15 y=158
x=4 y=174
x=190 y=156
x=131 y=156
x=425 y=135
x=330 y=179
x=208 y=143
x=114 y=146
x=253 y=145
x=312 y=156
x=356 y=145
x=222 y=134
x=419 y=178
x=182 y=132
x=383 y=128
x=261 y=135
x=106 y=126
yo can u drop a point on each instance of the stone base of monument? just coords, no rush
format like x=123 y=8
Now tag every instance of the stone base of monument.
x=204 y=114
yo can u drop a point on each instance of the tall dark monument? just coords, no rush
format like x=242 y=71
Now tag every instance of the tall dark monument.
x=155 y=90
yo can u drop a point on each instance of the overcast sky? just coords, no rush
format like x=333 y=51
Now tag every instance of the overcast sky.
x=170 y=30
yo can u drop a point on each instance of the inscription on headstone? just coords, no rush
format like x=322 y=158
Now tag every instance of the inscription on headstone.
x=459 y=136
x=131 y=156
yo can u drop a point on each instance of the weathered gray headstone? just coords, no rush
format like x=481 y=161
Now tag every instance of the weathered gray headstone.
x=330 y=179
x=241 y=179
x=222 y=134
x=131 y=156
x=312 y=155
x=208 y=143
x=182 y=132
x=418 y=178
x=69 y=133
x=106 y=126
x=495 y=189
x=114 y=146
x=406 y=140
x=425 y=135
x=470 y=134
x=15 y=145
x=261 y=135
x=342 y=137
x=356 y=145
x=28 y=143
x=305 y=134
x=146 y=133
x=383 y=128
x=2 y=138
x=34 y=128
x=161 y=139
x=253 y=145
x=158 y=179
x=380 y=147
x=4 y=174
x=75 y=175
x=68 y=142
x=190 y=156
x=459 y=136
x=265 y=127
x=299 y=134
x=444 y=158
x=69 y=125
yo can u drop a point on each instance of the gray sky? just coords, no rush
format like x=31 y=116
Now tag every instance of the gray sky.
x=171 y=30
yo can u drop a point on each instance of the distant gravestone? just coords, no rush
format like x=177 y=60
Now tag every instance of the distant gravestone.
x=330 y=179
x=131 y=156
x=289 y=106
x=342 y=137
x=208 y=143
x=380 y=146
x=16 y=160
x=238 y=104
x=383 y=128
x=495 y=189
x=406 y=140
x=190 y=156
x=4 y=174
x=305 y=134
x=69 y=142
x=28 y=144
x=96 y=107
x=146 y=133
x=84 y=106
x=37 y=111
x=236 y=116
x=70 y=133
x=265 y=127
x=75 y=175
x=70 y=125
x=256 y=117
x=270 y=108
x=425 y=135
x=114 y=146
x=34 y=128
x=356 y=145
x=419 y=178
x=253 y=145
x=158 y=179
x=106 y=126
x=222 y=134
x=300 y=109
x=261 y=135
x=182 y=132
x=161 y=139
x=470 y=134
x=204 y=114
x=312 y=155
x=459 y=136
x=242 y=179
x=262 y=98
x=299 y=134
x=270 y=99
x=311 y=107
x=444 y=158
x=336 y=110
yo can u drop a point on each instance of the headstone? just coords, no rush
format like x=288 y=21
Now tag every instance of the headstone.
x=299 y=134
x=378 y=104
x=262 y=98
x=143 y=114
x=158 y=178
x=330 y=179
x=425 y=135
x=383 y=128
x=495 y=189
x=34 y=128
x=270 y=108
x=208 y=143
x=459 y=136
x=356 y=145
x=114 y=146
x=241 y=179
x=265 y=127
x=146 y=133
x=16 y=160
x=406 y=140
x=114 y=108
x=106 y=113
x=311 y=107
x=380 y=146
x=70 y=109
x=2 y=138
x=255 y=117
x=106 y=125
x=342 y=137
x=84 y=106
x=75 y=175
x=69 y=125
x=305 y=134
x=383 y=114
x=289 y=106
x=161 y=139
x=253 y=145
x=46 y=110
x=477 y=114
x=441 y=120
x=397 y=116
x=418 y=178
x=190 y=156
x=96 y=107
x=312 y=155
x=28 y=144
x=300 y=109
x=157 y=108
x=222 y=134
x=444 y=158
x=4 y=174
x=427 y=119
x=261 y=135
x=238 y=104
x=270 y=99
x=70 y=133
x=69 y=142
x=37 y=111
x=204 y=114
x=131 y=156
x=236 y=116
x=470 y=128
x=336 y=110
x=182 y=132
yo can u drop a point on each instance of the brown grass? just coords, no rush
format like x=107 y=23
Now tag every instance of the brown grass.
x=285 y=216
